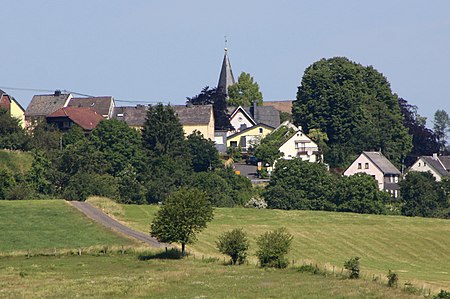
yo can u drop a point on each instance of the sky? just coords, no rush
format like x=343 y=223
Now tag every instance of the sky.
x=164 y=51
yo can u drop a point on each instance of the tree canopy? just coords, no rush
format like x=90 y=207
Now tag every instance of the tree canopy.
x=441 y=128
x=355 y=107
x=12 y=136
x=244 y=92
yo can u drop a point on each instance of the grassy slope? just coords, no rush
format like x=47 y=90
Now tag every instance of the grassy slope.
x=124 y=276
x=16 y=161
x=416 y=248
x=45 y=224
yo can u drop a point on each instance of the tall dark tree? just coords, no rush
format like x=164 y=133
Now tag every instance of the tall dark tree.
x=203 y=152
x=423 y=139
x=355 y=107
x=216 y=98
x=441 y=128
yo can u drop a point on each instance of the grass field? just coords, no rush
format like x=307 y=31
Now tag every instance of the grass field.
x=418 y=249
x=49 y=224
x=16 y=161
x=124 y=276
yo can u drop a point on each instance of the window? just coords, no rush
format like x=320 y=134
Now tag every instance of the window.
x=260 y=130
x=359 y=166
x=395 y=179
x=424 y=164
x=366 y=166
x=233 y=143
x=419 y=164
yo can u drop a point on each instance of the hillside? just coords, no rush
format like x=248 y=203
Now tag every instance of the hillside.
x=16 y=161
x=415 y=248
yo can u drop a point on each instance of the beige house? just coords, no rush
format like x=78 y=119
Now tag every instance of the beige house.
x=380 y=168
x=196 y=118
x=298 y=145
x=249 y=137
x=438 y=166
x=13 y=107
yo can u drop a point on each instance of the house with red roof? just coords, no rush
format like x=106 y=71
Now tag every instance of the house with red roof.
x=66 y=117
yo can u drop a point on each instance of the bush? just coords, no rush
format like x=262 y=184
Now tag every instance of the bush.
x=216 y=188
x=257 y=203
x=83 y=185
x=6 y=182
x=352 y=265
x=273 y=246
x=442 y=295
x=392 y=279
x=235 y=244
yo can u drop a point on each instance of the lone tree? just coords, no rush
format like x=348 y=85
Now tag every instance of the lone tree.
x=235 y=244
x=441 y=128
x=244 y=92
x=273 y=247
x=185 y=213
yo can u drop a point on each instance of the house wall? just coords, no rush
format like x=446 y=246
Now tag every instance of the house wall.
x=308 y=153
x=422 y=166
x=17 y=112
x=371 y=170
x=240 y=119
x=205 y=130
x=252 y=135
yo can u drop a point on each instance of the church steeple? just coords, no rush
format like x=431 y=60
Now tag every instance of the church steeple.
x=226 y=78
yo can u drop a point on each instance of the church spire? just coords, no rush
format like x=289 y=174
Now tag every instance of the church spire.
x=226 y=78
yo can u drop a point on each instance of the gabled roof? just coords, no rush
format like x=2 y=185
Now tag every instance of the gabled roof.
x=382 y=163
x=43 y=105
x=86 y=118
x=103 y=105
x=226 y=78
x=441 y=164
x=266 y=114
x=194 y=115
x=11 y=98
x=250 y=128
x=133 y=116
x=282 y=106
x=244 y=111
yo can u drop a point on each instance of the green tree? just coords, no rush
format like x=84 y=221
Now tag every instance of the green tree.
x=12 y=136
x=244 y=92
x=300 y=185
x=185 y=213
x=46 y=137
x=6 y=182
x=74 y=135
x=38 y=175
x=441 y=127
x=203 y=152
x=216 y=188
x=273 y=247
x=422 y=195
x=352 y=265
x=235 y=244
x=82 y=185
x=355 y=107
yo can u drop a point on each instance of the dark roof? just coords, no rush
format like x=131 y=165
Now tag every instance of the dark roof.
x=194 y=115
x=266 y=115
x=86 y=118
x=282 y=106
x=43 y=105
x=382 y=162
x=226 y=77
x=133 y=116
x=439 y=163
x=102 y=105
x=250 y=128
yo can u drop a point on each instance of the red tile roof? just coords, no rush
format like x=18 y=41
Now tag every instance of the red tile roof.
x=86 y=118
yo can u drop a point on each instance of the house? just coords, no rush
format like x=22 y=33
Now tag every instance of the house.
x=43 y=105
x=134 y=116
x=196 y=118
x=66 y=117
x=102 y=105
x=242 y=118
x=439 y=166
x=10 y=104
x=296 y=144
x=380 y=168
x=249 y=137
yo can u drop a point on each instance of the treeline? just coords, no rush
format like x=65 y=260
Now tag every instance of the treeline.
x=119 y=162
x=300 y=185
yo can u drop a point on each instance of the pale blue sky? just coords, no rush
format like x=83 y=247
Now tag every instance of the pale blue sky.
x=169 y=50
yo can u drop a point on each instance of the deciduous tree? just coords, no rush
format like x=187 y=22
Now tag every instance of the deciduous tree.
x=235 y=244
x=244 y=92
x=441 y=128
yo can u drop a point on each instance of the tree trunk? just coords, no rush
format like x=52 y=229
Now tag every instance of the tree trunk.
x=183 y=245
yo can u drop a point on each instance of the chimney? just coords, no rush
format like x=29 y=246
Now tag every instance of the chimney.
x=57 y=93
x=253 y=109
x=435 y=156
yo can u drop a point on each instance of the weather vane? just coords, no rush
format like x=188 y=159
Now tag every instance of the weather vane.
x=226 y=41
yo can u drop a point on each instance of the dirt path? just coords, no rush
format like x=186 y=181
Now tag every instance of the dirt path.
x=100 y=217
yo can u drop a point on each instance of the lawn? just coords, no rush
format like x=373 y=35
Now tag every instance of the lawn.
x=49 y=224
x=125 y=276
x=418 y=249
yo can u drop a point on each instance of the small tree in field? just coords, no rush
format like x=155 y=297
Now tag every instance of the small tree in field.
x=352 y=265
x=235 y=244
x=185 y=213
x=273 y=246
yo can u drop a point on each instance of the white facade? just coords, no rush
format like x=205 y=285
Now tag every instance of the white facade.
x=423 y=165
x=300 y=146
x=364 y=165
x=241 y=120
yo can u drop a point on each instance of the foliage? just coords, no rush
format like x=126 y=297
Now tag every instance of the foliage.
x=46 y=137
x=297 y=184
x=6 y=182
x=217 y=99
x=185 y=213
x=285 y=116
x=359 y=193
x=83 y=185
x=241 y=187
x=422 y=195
x=244 y=92
x=203 y=152
x=234 y=153
x=352 y=265
x=355 y=107
x=12 y=136
x=216 y=188
x=131 y=190
x=441 y=128
x=38 y=175
x=320 y=138
x=392 y=279
x=268 y=150
x=235 y=244
x=73 y=135
x=273 y=247
x=443 y=294
x=257 y=203
x=424 y=141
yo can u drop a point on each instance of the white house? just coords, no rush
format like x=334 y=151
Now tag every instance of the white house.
x=380 y=168
x=438 y=166
x=298 y=145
